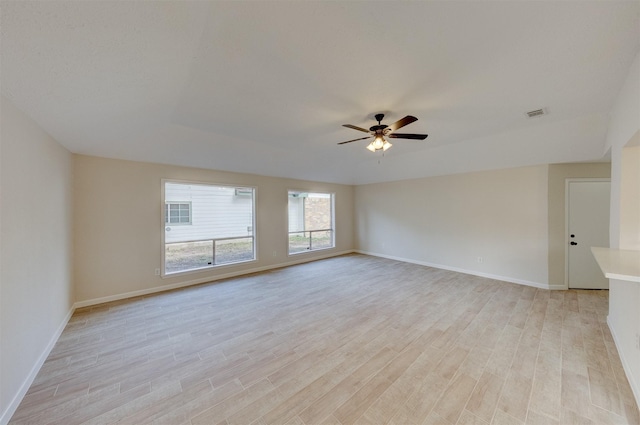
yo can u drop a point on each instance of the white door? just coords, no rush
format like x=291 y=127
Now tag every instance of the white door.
x=587 y=226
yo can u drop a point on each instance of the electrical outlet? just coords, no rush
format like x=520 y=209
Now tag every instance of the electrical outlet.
x=157 y=272
x=479 y=259
x=637 y=341
x=275 y=253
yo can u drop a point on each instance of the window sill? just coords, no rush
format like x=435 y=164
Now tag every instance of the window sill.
x=206 y=269
x=293 y=254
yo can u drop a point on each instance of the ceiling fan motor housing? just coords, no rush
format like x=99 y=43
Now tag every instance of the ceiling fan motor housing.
x=378 y=128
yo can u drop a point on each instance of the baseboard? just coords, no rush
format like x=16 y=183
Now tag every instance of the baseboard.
x=635 y=385
x=303 y=259
x=459 y=270
x=17 y=399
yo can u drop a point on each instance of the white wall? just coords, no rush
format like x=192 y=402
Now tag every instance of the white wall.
x=36 y=244
x=624 y=297
x=450 y=221
x=116 y=255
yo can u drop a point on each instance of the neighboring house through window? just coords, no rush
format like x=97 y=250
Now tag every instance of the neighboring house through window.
x=207 y=226
x=311 y=221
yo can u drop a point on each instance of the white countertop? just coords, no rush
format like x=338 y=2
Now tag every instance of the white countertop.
x=618 y=263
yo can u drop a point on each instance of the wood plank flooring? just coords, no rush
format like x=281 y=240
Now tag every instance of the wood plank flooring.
x=348 y=340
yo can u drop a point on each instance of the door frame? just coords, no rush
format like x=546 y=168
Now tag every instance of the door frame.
x=567 y=181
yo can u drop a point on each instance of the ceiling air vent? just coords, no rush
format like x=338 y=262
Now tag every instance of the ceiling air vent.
x=536 y=113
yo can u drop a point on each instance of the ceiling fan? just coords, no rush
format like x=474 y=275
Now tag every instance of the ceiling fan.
x=380 y=131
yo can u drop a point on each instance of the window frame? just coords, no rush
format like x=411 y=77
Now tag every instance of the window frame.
x=254 y=236
x=332 y=230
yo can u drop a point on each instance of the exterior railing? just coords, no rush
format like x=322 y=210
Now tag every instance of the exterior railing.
x=208 y=252
x=296 y=246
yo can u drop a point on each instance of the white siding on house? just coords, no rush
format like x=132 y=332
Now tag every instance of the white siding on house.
x=207 y=205
x=296 y=214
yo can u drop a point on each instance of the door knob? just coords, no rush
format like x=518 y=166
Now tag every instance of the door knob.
x=574 y=243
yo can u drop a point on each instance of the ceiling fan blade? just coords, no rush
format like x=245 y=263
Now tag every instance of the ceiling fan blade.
x=407 y=136
x=355 y=127
x=355 y=140
x=402 y=122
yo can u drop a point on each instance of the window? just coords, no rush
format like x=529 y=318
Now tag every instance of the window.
x=220 y=226
x=310 y=221
x=177 y=213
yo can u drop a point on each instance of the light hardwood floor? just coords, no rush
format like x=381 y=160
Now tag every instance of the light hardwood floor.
x=348 y=340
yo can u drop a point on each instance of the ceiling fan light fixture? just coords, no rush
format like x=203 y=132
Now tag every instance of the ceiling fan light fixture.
x=379 y=142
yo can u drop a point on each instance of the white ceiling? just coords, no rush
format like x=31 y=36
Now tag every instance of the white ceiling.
x=264 y=87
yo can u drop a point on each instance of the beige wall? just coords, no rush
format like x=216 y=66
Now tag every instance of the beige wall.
x=36 y=291
x=119 y=223
x=558 y=173
x=630 y=195
x=450 y=221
